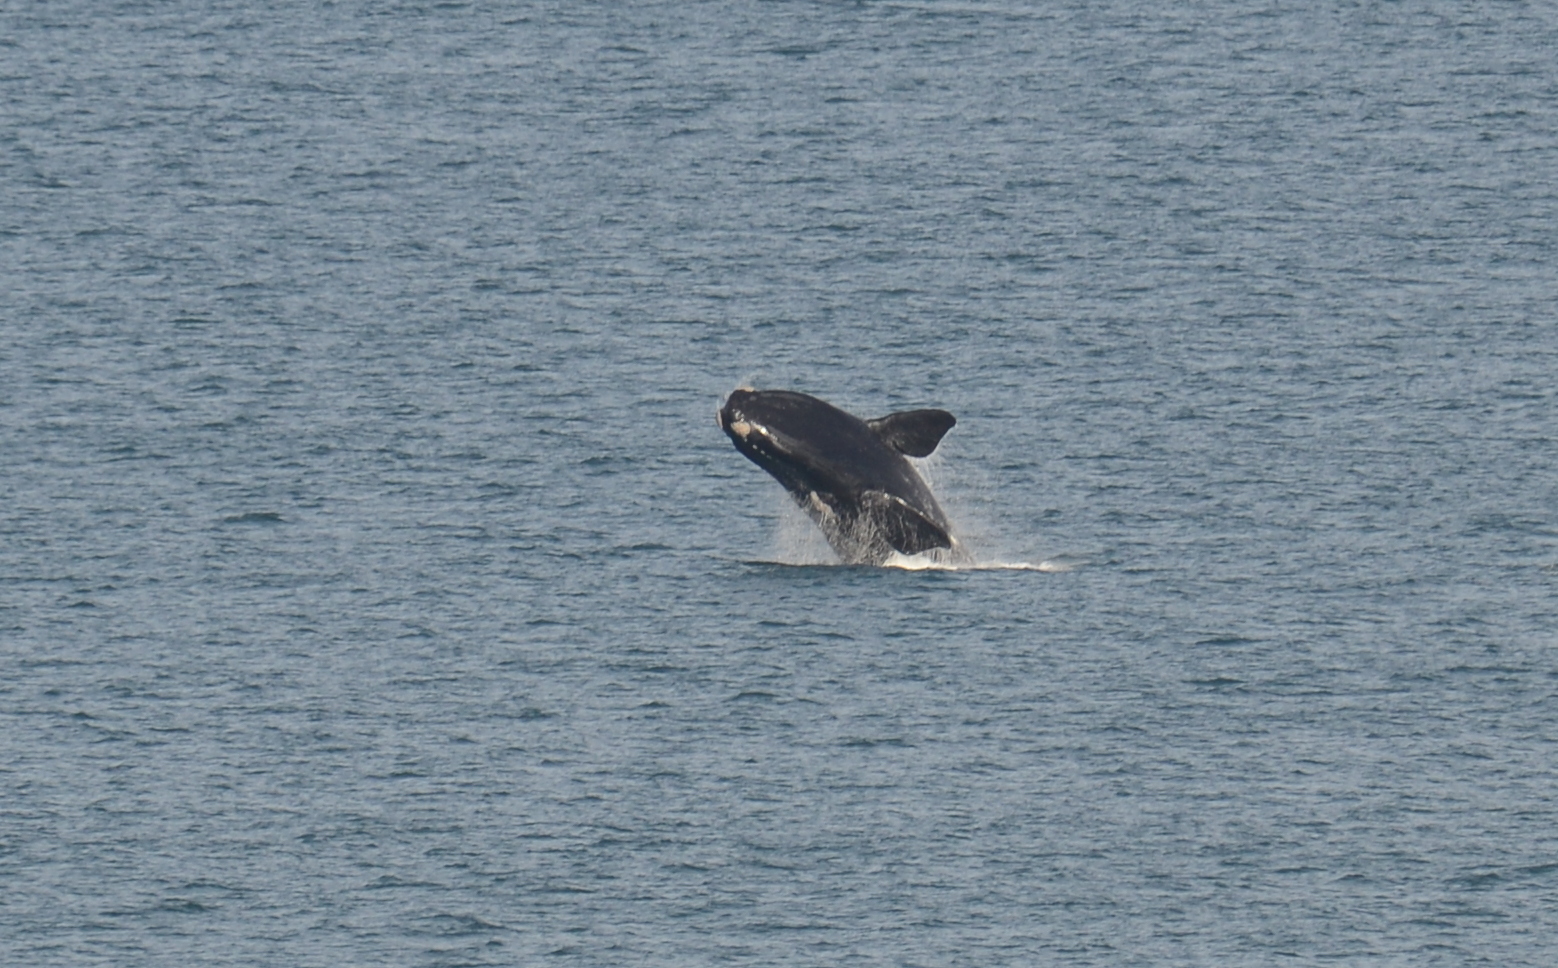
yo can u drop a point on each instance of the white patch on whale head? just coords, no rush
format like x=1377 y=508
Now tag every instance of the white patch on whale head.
x=740 y=428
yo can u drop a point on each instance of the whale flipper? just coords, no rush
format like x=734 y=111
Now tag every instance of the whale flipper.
x=915 y=433
x=904 y=526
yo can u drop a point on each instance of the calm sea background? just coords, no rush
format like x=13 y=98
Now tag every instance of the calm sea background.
x=376 y=588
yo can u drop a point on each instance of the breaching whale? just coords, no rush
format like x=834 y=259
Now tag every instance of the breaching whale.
x=848 y=474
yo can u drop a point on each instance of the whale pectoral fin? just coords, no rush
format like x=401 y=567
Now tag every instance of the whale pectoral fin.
x=904 y=527
x=913 y=432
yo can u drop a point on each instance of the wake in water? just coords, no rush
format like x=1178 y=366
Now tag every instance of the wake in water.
x=923 y=563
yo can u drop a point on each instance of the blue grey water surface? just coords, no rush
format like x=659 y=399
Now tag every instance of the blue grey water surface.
x=376 y=588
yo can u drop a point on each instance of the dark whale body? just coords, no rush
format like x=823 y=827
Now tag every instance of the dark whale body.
x=849 y=474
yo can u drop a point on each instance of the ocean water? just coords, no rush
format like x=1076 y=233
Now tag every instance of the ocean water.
x=377 y=589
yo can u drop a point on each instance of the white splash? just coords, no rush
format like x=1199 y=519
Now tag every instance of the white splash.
x=927 y=563
x=798 y=541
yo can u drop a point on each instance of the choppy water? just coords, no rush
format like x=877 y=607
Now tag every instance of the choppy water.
x=375 y=587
